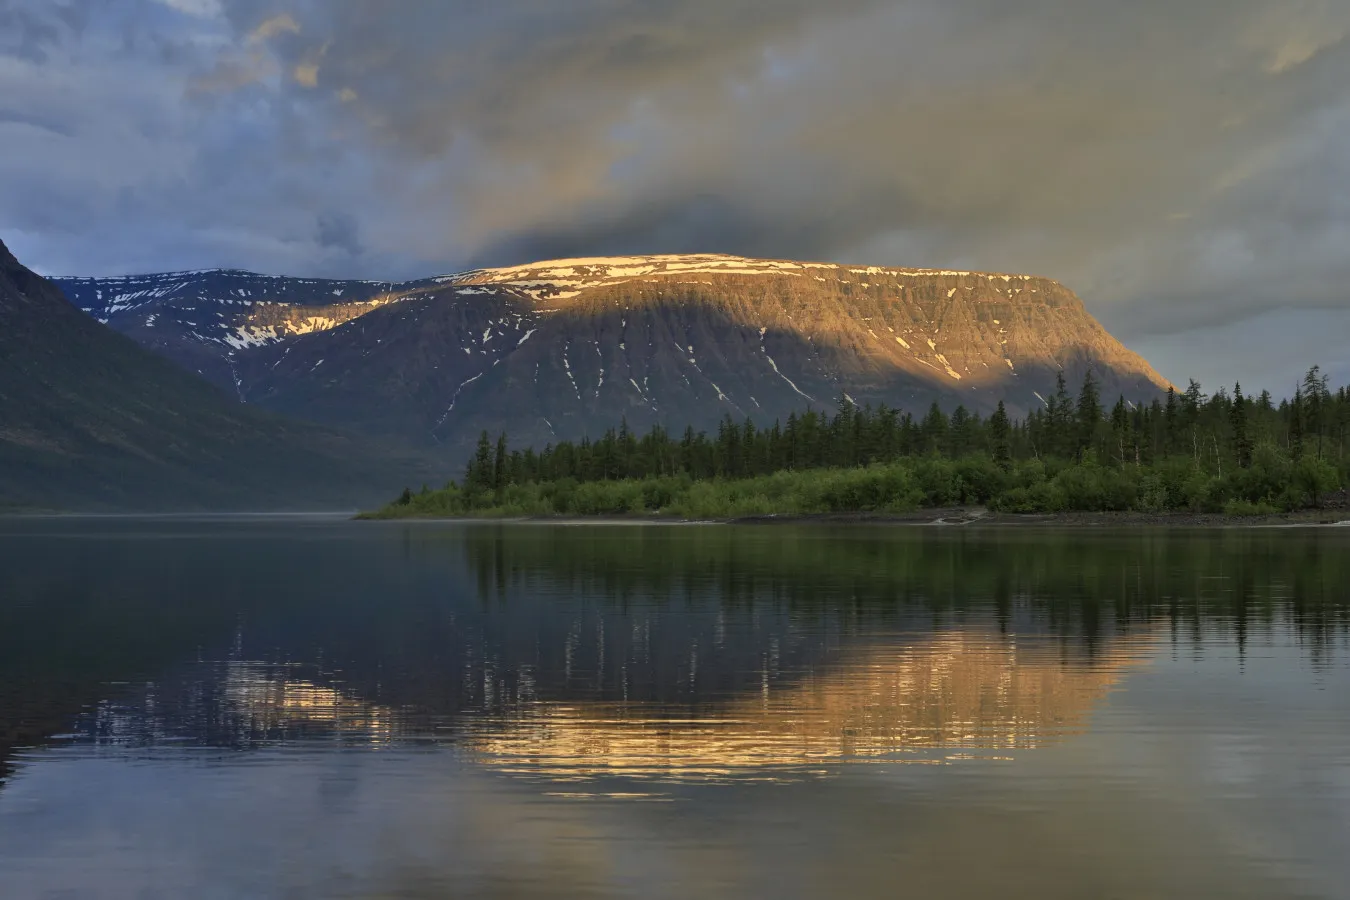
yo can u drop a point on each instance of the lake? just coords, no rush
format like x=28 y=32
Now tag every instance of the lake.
x=302 y=706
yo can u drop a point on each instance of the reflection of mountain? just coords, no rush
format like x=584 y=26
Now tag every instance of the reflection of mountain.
x=488 y=634
x=907 y=700
x=961 y=690
x=239 y=704
x=268 y=704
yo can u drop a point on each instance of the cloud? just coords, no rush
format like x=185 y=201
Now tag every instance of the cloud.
x=1177 y=165
x=27 y=32
x=306 y=74
x=339 y=231
x=232 y=72
x=273 y=26
x=1296 y=31
x=205 y=9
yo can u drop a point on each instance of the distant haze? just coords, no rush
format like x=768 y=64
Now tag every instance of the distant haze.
x=1180 y=166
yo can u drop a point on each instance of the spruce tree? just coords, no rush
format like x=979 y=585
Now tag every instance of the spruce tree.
x=1088 y=415
x=1000 y=430
x=934 y=429
x=1121 y=427
x=1170 y=423
x=1059 y=415
x=790 y=439
x=1237 y=417
x=1296 y=424
x=499 y=471
x=959 y=439
x=1314 y=404
x=1191 y=404
x=479 y=474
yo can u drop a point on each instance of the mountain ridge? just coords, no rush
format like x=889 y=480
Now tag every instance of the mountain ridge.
x=681 y=338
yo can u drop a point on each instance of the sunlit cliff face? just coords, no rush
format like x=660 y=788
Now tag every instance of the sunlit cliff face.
x=928 y=703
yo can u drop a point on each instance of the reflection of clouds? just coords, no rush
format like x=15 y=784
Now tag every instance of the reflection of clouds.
x=962 y=691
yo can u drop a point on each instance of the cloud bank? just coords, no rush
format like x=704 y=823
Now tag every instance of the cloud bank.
x=1179 y=165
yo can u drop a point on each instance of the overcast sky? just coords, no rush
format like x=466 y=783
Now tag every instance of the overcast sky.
x=1182 y=165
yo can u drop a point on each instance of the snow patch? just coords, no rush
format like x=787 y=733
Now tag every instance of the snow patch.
x=455 y=398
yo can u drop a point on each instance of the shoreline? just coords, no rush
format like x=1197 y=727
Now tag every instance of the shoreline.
x=939 y=517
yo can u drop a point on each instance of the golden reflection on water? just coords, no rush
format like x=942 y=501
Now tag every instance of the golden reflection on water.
x=264 y=700
x=931 y=702
x=958 y=695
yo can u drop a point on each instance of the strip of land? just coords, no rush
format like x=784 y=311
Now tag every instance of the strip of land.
x=1190 y=460
x=933 y=491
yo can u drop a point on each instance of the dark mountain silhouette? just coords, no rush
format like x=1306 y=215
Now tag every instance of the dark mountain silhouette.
x=90 y=420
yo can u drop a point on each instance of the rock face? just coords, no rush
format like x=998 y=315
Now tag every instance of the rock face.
x=90 y=420
x=565 y=349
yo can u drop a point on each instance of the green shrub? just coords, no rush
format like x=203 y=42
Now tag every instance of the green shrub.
x=938 y=481
x=1152 y=494
x=980 y=479
x=1312 y=479
x=1044 y=497
x=1027 y=473
x=1093 y=488
x=1247 y=508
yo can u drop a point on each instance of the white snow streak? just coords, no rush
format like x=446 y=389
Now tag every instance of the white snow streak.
x=773 y=365
x=455 y=399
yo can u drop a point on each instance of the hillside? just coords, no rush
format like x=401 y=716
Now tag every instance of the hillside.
x=564 y=349
x=89 y=420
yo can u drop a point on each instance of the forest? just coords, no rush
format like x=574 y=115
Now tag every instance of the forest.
x=1188 y=452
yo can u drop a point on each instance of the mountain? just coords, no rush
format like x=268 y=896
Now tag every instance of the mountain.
x=197 y=319
x=566 y=348
x=90 y=420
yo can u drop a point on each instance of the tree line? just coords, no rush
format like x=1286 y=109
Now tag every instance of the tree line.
x=1225 y=452
x=1213 y=432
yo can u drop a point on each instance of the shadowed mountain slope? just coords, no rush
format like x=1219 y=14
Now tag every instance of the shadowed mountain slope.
x=90 y=420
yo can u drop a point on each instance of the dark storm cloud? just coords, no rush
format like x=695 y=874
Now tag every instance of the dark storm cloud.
x=339 y=231
x=1179 y=164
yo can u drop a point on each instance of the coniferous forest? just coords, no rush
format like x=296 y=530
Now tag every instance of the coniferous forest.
x=1221 y=453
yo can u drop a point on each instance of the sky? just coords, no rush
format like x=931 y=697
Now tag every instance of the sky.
x=1181 y=166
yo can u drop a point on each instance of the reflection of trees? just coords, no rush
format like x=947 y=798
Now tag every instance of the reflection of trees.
x=1080 y=583
x=554 y=631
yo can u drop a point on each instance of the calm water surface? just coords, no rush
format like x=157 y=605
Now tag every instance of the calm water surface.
x=315 y=708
